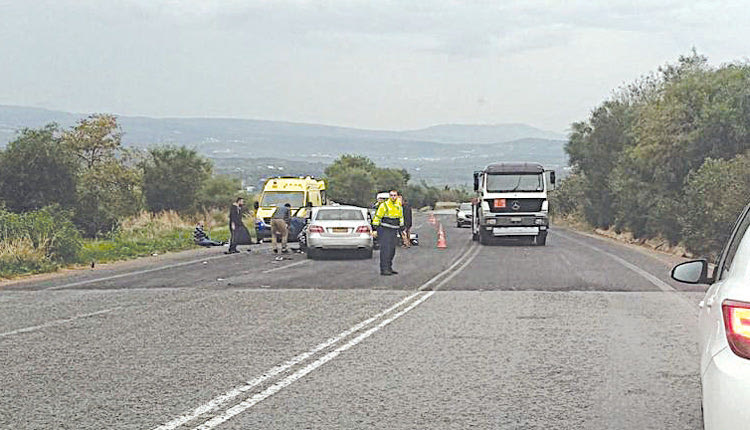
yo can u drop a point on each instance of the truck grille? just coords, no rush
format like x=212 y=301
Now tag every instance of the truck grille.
x=524 y=205
x=507 y=221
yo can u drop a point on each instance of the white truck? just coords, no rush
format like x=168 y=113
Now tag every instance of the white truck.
x=511 y=202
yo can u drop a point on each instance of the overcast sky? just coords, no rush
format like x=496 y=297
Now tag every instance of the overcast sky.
x=367 y=64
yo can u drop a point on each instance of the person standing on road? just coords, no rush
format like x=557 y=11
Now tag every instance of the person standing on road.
x=280 y=225
x=389 y=219
x=235 y=225
x=406 y=233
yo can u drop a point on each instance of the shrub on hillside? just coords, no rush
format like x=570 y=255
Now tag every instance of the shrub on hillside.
x=714 y=197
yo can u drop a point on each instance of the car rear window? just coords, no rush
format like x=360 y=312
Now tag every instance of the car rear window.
x=340 y=215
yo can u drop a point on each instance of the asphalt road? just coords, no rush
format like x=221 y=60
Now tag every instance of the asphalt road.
x=583 y=333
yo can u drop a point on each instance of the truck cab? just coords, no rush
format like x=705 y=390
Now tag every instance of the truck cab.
x=300 y=192
x=511 y=202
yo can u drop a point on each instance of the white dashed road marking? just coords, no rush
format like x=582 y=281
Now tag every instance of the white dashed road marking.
x=55 y=323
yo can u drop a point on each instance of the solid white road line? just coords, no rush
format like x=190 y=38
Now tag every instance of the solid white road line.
x=56 y=322
x=137 y=272
x=282 y=368
x=285 y=266
x=648 y=276
x=275 y=388
x=651 y=278
x=220 y=400
x=466 y=262
x=458 y=261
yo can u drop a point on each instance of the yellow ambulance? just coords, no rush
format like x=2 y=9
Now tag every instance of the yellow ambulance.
x=299 y=191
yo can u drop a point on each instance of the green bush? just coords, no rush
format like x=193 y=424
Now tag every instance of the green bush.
x=37 y=241
x=714 y=197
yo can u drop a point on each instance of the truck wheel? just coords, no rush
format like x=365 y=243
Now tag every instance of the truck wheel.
x=484 y=237
x=541 y=239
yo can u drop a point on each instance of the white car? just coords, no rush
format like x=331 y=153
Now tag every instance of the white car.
x=724 y=330
x=463 y=215
x=339 y=227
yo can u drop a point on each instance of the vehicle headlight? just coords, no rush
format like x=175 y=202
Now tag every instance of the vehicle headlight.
x=492 y=221
x=545 y=205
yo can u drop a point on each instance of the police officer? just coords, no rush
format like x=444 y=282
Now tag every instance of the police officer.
x=389 y=219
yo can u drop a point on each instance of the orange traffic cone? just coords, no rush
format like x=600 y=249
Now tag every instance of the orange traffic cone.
x=441 y=244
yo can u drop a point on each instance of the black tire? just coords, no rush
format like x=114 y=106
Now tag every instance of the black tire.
x=541 y=239
x=484 y=237
x=458 y=224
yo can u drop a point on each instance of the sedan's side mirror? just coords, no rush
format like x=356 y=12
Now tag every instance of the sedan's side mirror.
x=692 y=272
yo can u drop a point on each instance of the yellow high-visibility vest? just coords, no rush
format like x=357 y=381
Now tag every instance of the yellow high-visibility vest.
x=390 y=213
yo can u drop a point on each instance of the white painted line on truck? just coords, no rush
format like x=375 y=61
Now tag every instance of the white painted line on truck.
x=285 y=266
x=216 y=402
x=275 y=388
x=56 y=322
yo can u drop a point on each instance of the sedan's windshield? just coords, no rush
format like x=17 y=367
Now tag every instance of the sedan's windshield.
x=523 y=182
x=340 y=215
x=277 y=198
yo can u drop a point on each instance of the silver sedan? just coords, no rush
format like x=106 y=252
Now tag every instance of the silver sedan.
x=339 y=227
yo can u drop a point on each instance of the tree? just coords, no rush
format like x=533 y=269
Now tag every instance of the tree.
x=108 y=187
x=172 y=178
x=218 y=191
x=352 y=185
x=389 y=179
x=36 y=171
x=715 y=195
x=95 y=139
x=350 y=161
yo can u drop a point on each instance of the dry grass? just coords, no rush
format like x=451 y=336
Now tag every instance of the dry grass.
x=148 y=233
x=18 y=256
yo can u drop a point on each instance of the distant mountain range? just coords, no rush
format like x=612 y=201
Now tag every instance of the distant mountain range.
x=441 y=154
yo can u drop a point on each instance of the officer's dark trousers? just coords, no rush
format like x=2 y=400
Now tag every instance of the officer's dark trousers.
x=387 y=240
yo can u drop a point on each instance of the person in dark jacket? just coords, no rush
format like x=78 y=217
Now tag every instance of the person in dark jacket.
x=235 y=225
x=406 y=232
x=200 y=237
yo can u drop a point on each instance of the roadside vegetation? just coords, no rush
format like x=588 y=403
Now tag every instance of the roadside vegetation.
x=356 y=180
x=76 y=196
x=666 y=156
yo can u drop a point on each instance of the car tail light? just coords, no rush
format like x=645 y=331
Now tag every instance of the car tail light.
x=737 y=325
x=363 y=229
x=315 y=229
